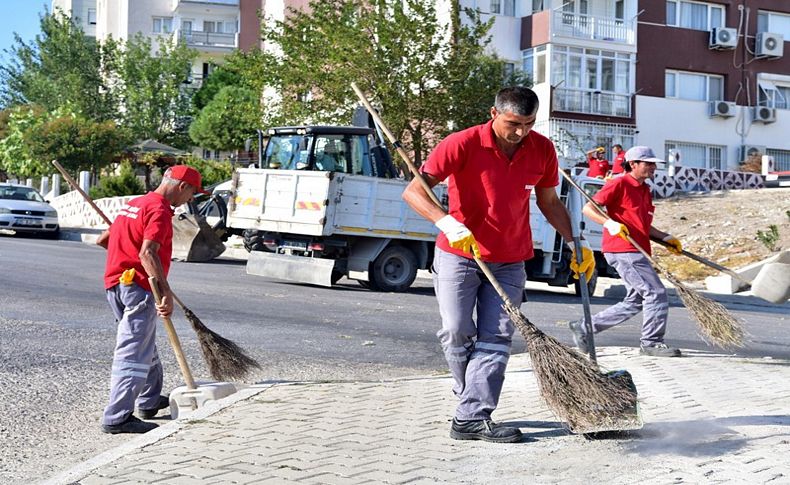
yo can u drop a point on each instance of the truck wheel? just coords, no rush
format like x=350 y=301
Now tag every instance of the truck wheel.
x=394 y=269
x=590 y=284
x=253 y=240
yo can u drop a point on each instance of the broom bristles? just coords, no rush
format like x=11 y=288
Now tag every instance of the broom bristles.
x=572 y=386
x=717 y=326
x=225 y=360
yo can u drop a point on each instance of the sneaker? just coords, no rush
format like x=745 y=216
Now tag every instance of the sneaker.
x=579 y=337
x=485 y=430
x=164 y=402
x=131 y=425
x=659 y=350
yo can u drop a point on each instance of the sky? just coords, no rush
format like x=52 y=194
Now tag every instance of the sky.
x=21 y=16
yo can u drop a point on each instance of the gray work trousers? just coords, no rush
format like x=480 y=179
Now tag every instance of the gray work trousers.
x=645 y=293
x=476 y=351
x=136 y=371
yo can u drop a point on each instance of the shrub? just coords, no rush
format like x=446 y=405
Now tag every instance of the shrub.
x=125 y=183
x=212 y=171
x=770 y=237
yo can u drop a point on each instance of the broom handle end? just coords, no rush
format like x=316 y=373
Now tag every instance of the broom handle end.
x=173 y=337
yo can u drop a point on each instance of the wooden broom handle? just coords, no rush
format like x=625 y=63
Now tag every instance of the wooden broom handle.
x=171 y=334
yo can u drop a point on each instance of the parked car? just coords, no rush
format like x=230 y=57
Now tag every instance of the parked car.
x=23 y=210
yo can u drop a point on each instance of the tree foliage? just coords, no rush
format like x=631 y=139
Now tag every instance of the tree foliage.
x=217 y=80
x=426 y=76
x=61 y=69
x=15 y=155
x=211 y=171
x=150 y=88
x=124 y=183
x=227 y=120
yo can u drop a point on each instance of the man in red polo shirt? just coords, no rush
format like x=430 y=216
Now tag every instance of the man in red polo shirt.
x=599 y=166
x=491 y=169
x=619 y=159
x=629 y=206
x=139 y=245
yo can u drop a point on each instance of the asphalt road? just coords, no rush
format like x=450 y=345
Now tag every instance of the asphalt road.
x=58 y=335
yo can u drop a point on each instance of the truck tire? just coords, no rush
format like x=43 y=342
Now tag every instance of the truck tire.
x=393 y=270
x=253 y=240
x=590 y=284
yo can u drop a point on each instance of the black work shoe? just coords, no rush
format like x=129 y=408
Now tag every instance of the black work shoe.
x=131 y=425
x=579 y=337
x=485 y=430
x=164 y=402
x=659 y=350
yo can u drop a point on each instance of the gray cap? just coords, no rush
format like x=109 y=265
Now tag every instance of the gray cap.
x=641 y=154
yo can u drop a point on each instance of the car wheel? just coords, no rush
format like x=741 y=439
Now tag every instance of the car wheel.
x=394 y=269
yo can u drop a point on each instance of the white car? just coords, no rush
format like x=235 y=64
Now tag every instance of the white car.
x=23 y=210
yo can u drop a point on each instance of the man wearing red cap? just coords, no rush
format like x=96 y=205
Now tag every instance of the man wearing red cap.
x=139 y=244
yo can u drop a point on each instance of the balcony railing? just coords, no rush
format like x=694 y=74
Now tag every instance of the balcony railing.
x=211 y=39
x=594 y=28
x=592 y=102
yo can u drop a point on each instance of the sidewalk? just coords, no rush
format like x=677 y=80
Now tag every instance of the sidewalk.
x=709 y=418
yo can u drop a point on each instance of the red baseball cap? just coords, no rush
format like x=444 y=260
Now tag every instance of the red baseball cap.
x=187 y=174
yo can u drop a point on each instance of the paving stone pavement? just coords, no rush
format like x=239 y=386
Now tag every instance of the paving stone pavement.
x=710 y=418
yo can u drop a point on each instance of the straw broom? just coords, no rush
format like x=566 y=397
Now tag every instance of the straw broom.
x=225 y=360
x=572 y=386
x=716 y=325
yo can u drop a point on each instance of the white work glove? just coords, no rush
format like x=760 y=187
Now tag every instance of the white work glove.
x=616 y=229
x=675 y=246
x=458 y=235
x=587 y=266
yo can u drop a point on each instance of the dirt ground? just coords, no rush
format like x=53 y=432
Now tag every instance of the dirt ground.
x=722 y=226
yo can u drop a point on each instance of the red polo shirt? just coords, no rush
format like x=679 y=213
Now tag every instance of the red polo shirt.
x=627 y=202
x=489 y=193
x=598 y=167
x=147 y=217
x=619 y=160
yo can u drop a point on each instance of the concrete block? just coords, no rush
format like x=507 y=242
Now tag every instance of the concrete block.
x=184 y=401
x=773 y=283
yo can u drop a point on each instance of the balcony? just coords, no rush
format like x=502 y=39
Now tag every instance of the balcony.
x=592 y=102
x=607 y=29
x=212 y=40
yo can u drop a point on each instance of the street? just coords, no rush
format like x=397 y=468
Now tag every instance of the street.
x=58 y=337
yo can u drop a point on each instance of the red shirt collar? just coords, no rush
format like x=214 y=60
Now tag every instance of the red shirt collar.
x=487 y=137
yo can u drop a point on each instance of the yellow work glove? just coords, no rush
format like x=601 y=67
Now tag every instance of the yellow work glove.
x=127 y=278
x=675 y=247
x=616 y=229
x=587 y=266
x=458 y=235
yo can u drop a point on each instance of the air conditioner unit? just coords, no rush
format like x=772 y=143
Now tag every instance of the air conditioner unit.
x=763 y=114
x=723 y=38
x=769 y=45
x=721 y=109
x=748 y=151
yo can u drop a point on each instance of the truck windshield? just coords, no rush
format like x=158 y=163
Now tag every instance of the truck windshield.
x=288 y=152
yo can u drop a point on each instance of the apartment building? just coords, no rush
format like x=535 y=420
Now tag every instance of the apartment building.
x=704 y=82
x=82 y=12
x=211 y=27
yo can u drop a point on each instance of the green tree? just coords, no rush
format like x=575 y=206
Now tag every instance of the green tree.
x=124 y=183
x=15 y=155
x=227 y=120
x=150 y=88
x=217 y=80
x=61 y=69
x=77 y=143
x=421 y=75
x=211 y=171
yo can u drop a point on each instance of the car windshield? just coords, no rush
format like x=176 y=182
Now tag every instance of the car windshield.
x=287 y=152
x=20 y=193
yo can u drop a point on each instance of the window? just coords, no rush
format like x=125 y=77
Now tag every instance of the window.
x=781 y=159
x=503 y=7
x=186 y=26
x=773 y=22
x=91 y=16
x=509 y=69
x=698 y=155
x=496 y=6
x=592 y=69
x=774 y=95
x=163 y=25
x=212 y=26
x=693 y=86
x=539 y=5
x=534 y=64
x=694 y=15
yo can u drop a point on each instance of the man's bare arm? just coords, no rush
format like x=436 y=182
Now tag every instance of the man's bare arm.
x=104 y=239
x=420 y=201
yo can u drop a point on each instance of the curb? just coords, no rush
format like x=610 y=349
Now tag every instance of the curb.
x=83 y=469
